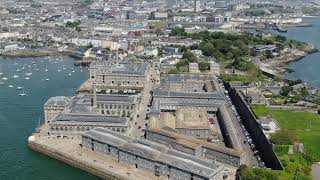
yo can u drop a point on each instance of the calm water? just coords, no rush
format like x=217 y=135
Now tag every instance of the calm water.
x=307 y=69
x=19 y=116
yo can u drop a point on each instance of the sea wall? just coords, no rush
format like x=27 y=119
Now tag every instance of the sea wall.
x=71 y=161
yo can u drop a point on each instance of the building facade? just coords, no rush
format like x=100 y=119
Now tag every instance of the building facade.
x=120 y=76
x=149 y=156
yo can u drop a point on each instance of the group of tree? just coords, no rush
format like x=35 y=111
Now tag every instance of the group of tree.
x=285 y=90
x=74 y=25
x=178 y=31
x=247 y=173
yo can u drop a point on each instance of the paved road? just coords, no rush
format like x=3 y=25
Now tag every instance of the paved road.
x=237 y=130
x=142 y=110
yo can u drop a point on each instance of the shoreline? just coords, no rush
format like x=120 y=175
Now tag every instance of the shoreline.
x=69 y=152
x=279 y=65
x=34 y=53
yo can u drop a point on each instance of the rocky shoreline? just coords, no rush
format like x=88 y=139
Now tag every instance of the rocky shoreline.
x=279 y=66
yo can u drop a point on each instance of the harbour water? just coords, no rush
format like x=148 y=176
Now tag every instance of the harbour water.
x=19 y=115
x=308 y=68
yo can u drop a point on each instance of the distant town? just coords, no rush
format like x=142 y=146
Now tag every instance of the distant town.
x=175 y=89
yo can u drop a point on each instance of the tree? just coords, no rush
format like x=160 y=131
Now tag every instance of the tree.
x=207 y=49
x=280 y=38
x=203 y=66
x=178 y=31
x=189 y=56
x=285 y=90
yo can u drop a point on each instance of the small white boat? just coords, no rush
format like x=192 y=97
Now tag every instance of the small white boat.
x=23 y=68
x=69 y=74
x=22 y=93
x=10 y=86
x=19 y=88
x=46 y=70
x=47 y=79
x=33 y=62
x=29 y=66
x=28 y=74
x=26 y=78
x=18 y=70
x=59 y=70
x=73 y=71
x=15 y=76
x=4 y=78
x=1 y=73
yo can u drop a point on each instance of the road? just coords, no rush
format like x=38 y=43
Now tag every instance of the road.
x=134 y=130
x=238 y=133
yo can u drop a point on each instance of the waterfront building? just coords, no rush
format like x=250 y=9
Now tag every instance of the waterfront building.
x=72 y=116
x=150 y=156
x=54 y=106
x=119 y=75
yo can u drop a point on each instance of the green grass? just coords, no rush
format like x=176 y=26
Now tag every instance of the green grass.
x=304 y=124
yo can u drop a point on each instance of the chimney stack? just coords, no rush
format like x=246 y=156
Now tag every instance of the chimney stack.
x=94 y=96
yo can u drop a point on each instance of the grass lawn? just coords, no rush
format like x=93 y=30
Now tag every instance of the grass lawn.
x=304 y=124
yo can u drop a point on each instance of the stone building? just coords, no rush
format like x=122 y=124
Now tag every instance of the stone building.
x=196 y=147
x=187 y=91
x=190 y=122
x=84 y=111
x=54 y=106
x=150 y=156
x=65 y=125
x=119 y=75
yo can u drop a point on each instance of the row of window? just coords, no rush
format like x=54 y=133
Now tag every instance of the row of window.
x=116 y=106
x=82 y=128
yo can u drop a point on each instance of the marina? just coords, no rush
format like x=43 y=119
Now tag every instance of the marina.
x=19 y=115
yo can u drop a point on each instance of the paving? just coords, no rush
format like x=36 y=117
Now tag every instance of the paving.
x=93 y=162
x=139 y=121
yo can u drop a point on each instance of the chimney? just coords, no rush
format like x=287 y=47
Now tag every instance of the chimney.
x=117 y=57
x=94 y=96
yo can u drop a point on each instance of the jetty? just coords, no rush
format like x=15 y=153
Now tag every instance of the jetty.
x=70 y=151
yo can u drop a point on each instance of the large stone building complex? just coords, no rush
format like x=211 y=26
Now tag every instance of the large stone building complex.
x=193 y=106
x=119 y=75
x=150 y=156
x=187 y=92
x=69 y=116
x=196 y=147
